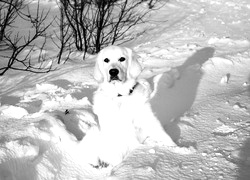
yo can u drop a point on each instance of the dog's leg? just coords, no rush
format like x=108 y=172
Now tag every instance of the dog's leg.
x=89 y=147
x=149 y=129
x=150 y=132
x=156 y=136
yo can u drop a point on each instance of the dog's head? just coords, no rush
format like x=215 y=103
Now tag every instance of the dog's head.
x=116 y=64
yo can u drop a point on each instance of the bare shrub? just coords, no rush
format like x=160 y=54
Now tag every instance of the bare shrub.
x=64 y=36
x=9 y=10
x=95 y=24
x=16 y=48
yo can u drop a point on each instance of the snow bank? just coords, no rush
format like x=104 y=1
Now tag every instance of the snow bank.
x=199 y=54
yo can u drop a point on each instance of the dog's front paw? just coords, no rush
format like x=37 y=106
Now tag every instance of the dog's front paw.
x=171 y=146
x=100 y=164
x=182 y=150
x=153 y=142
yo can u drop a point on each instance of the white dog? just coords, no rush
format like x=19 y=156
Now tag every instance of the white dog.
x=121 y=103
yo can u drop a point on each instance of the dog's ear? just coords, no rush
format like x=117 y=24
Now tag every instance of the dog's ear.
x=134 y=67
x=98 y=75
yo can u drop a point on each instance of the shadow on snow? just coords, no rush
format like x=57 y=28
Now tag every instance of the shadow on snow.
x=174 y=97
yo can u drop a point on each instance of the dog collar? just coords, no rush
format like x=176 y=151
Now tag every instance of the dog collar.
x=130 y=90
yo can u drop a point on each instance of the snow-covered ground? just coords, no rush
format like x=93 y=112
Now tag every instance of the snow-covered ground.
x=203 y=101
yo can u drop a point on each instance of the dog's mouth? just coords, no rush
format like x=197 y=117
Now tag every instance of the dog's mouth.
x=114 y=78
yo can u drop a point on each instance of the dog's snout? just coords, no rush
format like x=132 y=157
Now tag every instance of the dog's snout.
x=114 y=72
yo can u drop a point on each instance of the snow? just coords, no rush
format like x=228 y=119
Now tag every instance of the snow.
x=199 y=53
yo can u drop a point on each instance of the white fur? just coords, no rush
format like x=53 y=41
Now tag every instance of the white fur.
x=125 y=119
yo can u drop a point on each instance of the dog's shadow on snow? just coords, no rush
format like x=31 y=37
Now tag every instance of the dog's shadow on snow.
x=176 y=93
x=243 y=161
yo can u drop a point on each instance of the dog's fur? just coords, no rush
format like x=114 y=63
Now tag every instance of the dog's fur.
x=121 y=103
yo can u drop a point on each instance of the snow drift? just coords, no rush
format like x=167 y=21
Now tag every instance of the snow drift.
x=199 y=54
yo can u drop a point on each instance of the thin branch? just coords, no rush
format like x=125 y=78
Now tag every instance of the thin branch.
x=25 y=44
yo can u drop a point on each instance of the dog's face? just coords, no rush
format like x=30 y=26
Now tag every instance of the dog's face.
x=116 y=64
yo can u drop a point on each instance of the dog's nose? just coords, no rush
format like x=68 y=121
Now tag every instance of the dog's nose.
x=113 y=72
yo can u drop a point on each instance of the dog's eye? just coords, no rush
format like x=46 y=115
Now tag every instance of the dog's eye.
x=122 y=59
x=106 y=60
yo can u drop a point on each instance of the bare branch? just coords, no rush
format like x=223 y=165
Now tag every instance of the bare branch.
x=22 y=47
x=98 y=23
